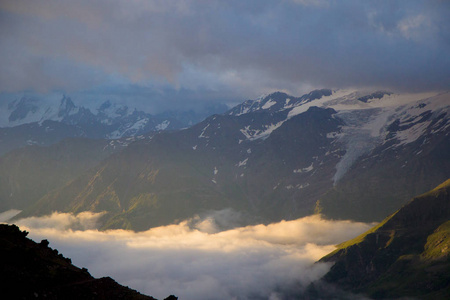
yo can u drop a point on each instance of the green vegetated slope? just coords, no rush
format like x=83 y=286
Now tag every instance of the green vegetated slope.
x=408 y=254
x=35 y=271
x=29 y=173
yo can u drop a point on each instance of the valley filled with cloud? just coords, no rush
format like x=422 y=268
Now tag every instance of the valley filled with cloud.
x=195 y=259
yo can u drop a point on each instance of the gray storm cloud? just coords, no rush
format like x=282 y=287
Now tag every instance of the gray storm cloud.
x=224 y=48
x=194 y=260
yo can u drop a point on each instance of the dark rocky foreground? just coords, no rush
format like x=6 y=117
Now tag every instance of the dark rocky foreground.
x=31 y=270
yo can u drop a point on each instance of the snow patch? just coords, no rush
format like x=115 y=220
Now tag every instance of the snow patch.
x=297 y=186
x=242 y=163
x=412 y=134
x=202 y=135
x=319 y=102
x=136 y=127
x=255 y=134
x=305 y=170
x=246 y=132
x=302 y=186
x=268 y=104
x=333 y=135
x=31 y=142
x=162 y=125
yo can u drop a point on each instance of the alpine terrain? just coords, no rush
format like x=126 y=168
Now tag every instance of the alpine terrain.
x=35 y=121
x=347 y=154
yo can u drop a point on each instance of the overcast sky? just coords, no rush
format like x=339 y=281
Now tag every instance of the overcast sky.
x=183 y=53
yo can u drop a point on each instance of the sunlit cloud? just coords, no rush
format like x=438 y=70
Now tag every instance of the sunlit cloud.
x=194 y=259
x=63 y=221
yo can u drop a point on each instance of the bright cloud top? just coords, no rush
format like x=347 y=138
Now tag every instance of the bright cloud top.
x=195 y=261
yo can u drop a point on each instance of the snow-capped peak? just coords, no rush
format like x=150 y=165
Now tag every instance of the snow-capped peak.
x=110 y=111
x=276 y=102
x=67 y=107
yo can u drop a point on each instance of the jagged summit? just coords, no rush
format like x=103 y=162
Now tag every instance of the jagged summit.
x=66 y=107
x=112 y=111
x=39 y=121
x=276 y=102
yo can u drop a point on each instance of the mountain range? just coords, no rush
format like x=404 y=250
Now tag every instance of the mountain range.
x=346 y=154
x=35 y=121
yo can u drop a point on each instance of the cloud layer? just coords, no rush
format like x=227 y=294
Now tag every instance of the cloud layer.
x=194 y=260
x=221 y=49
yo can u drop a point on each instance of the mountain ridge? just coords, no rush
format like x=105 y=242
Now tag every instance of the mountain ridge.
x=29 y=120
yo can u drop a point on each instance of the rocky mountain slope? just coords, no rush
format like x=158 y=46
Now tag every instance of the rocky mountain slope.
x=348 y=154
x=29 y=173
x=407 y=254
x=35 y=271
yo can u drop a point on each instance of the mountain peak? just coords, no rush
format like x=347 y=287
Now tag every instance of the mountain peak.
x=105 y=105
x=277 y=101
x=275 y=95
x=66 y=107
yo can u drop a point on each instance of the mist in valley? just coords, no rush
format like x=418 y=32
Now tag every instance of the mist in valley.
x=196 y=259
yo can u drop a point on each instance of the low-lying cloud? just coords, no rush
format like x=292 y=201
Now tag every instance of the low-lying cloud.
x=194 y=260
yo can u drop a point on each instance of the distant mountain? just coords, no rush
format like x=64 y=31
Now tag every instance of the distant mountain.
x=32 y=121
x=35 y=271
x=349 y=154
x=406 y=255
x=276 y=102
